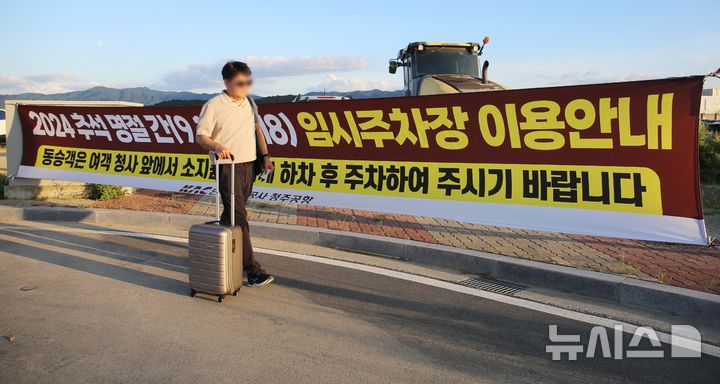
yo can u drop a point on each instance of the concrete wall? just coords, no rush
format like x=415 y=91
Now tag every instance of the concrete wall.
x=710 y=104
x=20 y=188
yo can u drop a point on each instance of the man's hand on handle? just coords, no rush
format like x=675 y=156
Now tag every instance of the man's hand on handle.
x=223 y=152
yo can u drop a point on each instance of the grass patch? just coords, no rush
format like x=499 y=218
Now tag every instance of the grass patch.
x=710 y=198
x=624 y=270
x=105 y=192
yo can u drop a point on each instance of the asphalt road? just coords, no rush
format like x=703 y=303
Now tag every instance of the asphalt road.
x=86 y=307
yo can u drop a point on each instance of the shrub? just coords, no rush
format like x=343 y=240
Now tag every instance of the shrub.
x=709 y=143
x=105 y=192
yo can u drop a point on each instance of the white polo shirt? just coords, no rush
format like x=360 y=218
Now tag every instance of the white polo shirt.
x=230 y=123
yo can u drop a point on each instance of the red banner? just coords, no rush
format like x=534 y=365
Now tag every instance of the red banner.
x=614 y=159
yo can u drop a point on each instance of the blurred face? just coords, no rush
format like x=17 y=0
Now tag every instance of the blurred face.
x=239 y=86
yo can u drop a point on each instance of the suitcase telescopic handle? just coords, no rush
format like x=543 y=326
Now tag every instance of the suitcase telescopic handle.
x=219 y=161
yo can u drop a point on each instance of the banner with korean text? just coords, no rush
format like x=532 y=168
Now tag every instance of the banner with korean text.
x=618 y=159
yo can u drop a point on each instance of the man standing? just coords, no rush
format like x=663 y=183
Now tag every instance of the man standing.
x=229 y=126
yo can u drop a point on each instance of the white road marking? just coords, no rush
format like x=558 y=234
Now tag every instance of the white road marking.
x=708 y=349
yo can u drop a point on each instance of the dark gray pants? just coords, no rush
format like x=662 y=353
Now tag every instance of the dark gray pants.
x=244 y=178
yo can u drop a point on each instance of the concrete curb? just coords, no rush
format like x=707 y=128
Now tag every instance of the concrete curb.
x=624 y=290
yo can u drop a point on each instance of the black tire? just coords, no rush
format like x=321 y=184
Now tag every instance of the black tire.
x=236 y=292
x=220 y=299
x=192 y=293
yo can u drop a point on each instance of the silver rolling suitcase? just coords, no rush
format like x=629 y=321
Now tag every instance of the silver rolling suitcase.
x=215 y=251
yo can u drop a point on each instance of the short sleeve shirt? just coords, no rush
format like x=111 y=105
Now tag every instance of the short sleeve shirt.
x=230 y=123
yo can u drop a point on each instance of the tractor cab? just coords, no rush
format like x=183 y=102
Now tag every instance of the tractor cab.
x=440 y=68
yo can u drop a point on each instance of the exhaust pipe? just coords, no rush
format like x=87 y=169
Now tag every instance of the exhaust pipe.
x=486 y=64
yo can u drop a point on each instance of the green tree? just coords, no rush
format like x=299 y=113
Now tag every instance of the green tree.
x=709 y=150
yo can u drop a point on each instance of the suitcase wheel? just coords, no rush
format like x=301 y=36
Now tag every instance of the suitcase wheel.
x=220 y=298
x=236 y=292
x=192 y=293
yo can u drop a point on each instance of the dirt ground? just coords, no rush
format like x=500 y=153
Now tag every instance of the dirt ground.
x=150 y=200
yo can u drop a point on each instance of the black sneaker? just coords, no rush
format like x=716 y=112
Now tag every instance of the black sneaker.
x=260 y=279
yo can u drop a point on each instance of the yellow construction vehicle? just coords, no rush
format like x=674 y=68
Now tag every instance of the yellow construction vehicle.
x=440 y=68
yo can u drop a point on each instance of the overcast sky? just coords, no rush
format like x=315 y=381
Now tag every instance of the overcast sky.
x=300 y=46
